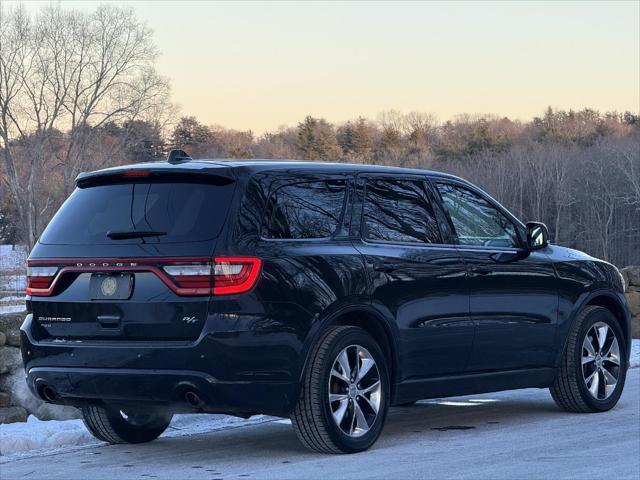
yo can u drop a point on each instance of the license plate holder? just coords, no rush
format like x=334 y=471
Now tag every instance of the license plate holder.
x=111 y=286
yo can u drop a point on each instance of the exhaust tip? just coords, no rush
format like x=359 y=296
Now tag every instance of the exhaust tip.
x=192 y=398
x=47 y=393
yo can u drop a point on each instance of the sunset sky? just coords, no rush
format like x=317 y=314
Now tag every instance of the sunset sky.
x=261 y=65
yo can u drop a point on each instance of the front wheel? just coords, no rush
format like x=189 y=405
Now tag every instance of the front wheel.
x=344 y=395
x=593 y=370
x=124 y=425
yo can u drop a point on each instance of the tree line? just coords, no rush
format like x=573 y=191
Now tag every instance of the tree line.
x=79 y=91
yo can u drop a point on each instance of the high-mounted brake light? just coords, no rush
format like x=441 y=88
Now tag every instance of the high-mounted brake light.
x=136 y=173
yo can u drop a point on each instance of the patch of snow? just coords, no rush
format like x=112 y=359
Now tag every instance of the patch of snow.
x=14 y=282
x=35 y=437
x=11 y=298
x=635 y=354
x=11 y=308
x=12 y=256
x=12 y=268
x=35 y=434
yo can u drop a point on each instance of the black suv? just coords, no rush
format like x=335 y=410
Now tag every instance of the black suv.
x=321 y=292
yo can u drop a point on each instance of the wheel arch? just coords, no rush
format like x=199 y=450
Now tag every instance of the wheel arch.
x=369 y=320
x=611 y=301
x=612 y=304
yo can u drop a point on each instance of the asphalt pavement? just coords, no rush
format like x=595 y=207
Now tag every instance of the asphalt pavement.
x=509 y=435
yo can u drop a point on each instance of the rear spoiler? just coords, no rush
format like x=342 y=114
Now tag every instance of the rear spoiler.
x=146 y=173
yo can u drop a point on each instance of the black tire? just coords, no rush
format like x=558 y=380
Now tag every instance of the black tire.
x=312 y=417
x=569 y=389
x=110 y=425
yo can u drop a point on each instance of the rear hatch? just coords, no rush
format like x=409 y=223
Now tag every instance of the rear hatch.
x=129 y=256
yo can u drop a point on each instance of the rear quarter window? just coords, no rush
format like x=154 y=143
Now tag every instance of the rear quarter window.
x=184 y=212
x=304 y=210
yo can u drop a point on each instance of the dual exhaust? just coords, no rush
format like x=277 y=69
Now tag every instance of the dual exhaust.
x=47 y=393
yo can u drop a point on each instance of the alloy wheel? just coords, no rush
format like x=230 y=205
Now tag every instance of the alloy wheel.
x=355 y=390
x=600 y=361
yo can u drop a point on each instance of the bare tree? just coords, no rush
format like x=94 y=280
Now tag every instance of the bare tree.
x=66 y=70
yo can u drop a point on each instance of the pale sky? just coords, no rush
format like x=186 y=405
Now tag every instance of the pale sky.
x=259 y=65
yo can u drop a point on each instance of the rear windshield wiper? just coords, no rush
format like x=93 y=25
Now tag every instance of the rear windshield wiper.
x=134 y=234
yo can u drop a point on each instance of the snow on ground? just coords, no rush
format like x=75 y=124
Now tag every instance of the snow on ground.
x=12 y=278
x=13 y=282
x=35 y=437
x=635 y=354
x=12 y=269
x=11 y=308
x=12 y=256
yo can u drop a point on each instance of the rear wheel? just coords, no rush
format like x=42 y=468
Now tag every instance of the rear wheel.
x=126 y=425
x=344 y=396
x=593 y=370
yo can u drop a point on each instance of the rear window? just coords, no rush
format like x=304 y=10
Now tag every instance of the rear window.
x=181 y=212
x=304 y=210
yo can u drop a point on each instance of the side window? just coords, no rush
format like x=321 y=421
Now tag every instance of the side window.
x=304 y=210
x=475 y=220
x=399 y=211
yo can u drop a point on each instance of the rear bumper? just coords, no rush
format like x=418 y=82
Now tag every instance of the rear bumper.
x=80 y=386
x=236 y=372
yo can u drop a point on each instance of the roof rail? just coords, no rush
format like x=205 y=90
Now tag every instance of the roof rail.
x=178 y=156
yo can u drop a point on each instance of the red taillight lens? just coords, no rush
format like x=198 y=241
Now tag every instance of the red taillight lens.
x=39 y=278
x=233 y=275
x=226 y=276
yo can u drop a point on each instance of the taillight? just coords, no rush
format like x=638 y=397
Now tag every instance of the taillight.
x=226 y=276
x=39 y=278
x=184 y=276
x=235 y=274
x=191 y=279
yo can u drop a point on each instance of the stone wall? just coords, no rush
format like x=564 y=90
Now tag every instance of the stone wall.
x=16 y=400
x=632 y=278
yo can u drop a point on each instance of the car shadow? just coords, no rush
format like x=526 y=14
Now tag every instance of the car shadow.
x=430 y=420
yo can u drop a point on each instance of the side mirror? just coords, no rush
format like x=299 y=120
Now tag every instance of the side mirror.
x=537 y=235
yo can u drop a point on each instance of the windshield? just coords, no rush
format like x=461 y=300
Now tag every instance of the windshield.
x=140 y=212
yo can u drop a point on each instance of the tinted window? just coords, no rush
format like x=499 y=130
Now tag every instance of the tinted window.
x=475 y=220
x=399 y=211
x=184 y=212
x=304 y=210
